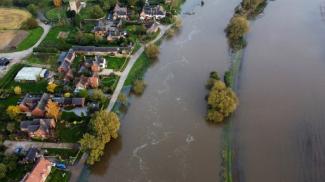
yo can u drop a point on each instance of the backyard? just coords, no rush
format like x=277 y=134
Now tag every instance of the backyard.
x=116 y=63
x=57 y=175
x=71 y=127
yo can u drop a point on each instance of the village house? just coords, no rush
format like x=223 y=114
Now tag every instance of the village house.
x=35 y=106
x=152 y=12
x=40 y=171
x=102 y=51
x=38 y=128
x=120 y=12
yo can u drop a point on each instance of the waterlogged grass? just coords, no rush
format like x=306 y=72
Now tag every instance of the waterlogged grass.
x=33 y=36
x=230 y=79
x=138 y=69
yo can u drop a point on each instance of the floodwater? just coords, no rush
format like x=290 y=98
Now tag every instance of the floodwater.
x=279 y=127
x=164 y=136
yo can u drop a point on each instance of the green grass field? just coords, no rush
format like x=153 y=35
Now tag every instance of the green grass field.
x=57 y=175
x=33 y=36
x=138 y=69
x=56 y=14
x=116 y=63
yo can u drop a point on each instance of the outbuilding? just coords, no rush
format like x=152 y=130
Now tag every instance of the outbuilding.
x=30 y=74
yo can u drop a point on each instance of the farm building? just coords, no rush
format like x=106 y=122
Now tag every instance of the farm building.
x=30 y=74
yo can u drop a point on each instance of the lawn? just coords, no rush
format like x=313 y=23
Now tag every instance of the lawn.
x=138 y=69
x=57 y=175
x=19 y=172
x=37 y=87
x=44 y=59
x=52 y=40
x=116 y=63
x=10 y=75
x=65 y=154
x=110 y=81
x=68 y=131
x=12 y=100
x=56 y=14
x=33 y=36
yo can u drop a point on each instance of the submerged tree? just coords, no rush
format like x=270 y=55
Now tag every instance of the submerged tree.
x=222 y=101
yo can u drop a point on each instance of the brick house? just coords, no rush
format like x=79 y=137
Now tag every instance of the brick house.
x=38 y=128
x=40 y=171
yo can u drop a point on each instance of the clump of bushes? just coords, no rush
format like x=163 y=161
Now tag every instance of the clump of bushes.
x=29 y=24
x=222 y=101
x=138 y=87
x=152 y=51
x=236 y=30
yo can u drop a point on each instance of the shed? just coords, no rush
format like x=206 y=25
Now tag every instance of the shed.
x=28 y=74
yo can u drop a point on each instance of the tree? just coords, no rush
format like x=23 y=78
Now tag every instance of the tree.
x=138 y=87
x=123 y=99
x=30 y=23
x=13 y=112
x=96 y=12
x=104 y=126
x=51 y=87
x=57 y=3
x=237 y=28
x=71 y=13
x=98 y=95
x=152 y=51
x=83 y=93
x=32 y=8
x=11 y=127
x=3 y=170
x=17 y=90
x=222 y=101
x=52 y=109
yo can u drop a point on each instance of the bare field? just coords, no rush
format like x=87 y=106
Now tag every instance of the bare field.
x=12 y=18
x=11 y=38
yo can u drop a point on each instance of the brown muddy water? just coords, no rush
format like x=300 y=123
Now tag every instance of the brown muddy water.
x=279 y=127
x=164 y=136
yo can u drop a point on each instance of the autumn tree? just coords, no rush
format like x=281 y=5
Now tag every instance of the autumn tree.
x=52 y=109
x=138 y=87
x=51 y=87
x=30 y=23
x=236 y=30
x=104 y=127
x=57 y=3
x=152 y=51
x=222 y=101
x=13 y=112
x=17 y=90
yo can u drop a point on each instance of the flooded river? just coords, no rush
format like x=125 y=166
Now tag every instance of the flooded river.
x=164 y=136
x=280 y=124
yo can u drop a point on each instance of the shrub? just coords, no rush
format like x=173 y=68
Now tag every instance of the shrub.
x=236 y=30
x=30 y=23
x=138 y=87
x=152 y=51
x=17 y=90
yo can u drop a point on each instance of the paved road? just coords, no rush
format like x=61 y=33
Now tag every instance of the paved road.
x=12 y=145
x=132 y=61
x=18 y=56
x=77 y=168
x=22 y=54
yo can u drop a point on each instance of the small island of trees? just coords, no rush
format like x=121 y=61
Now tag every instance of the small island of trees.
x=222 y=100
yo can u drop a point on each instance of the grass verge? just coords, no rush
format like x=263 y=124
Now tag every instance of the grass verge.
x=33 y=36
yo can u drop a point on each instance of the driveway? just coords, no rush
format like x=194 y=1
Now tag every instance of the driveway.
x=12 y=145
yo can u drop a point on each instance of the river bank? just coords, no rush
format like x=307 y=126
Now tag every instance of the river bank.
x=154 y=143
